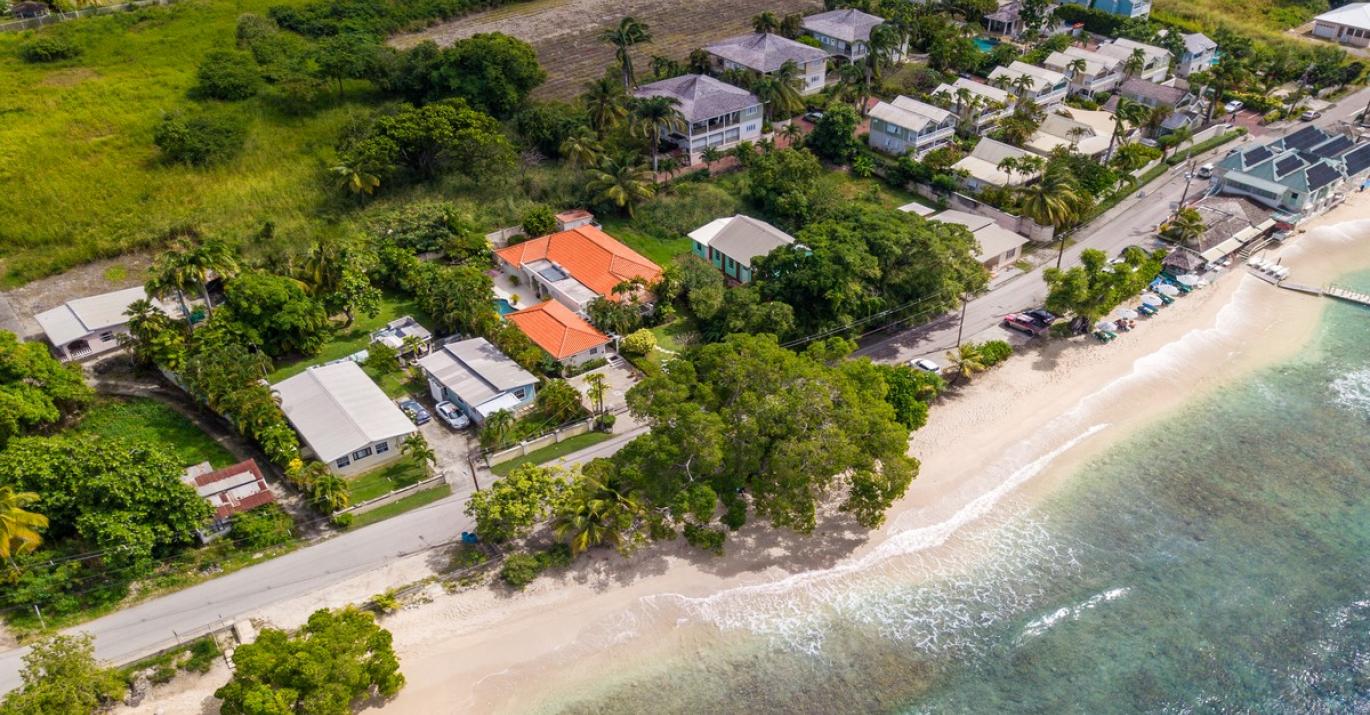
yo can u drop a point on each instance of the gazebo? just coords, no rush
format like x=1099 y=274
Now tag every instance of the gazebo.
x=1181 y=261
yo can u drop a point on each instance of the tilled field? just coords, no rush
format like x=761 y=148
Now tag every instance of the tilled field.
x=565 y=32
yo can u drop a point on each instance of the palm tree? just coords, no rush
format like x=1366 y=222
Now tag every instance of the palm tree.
x=627 y=33
x=595 y=389
x=197 y=262
x=789 y=99
x=305 y=477
x=413 y=345
x=851 y=84
x=498 y=426
x=581 y=147
x=606 y=103
x=1051 y=200
x=794 y=134
x=418 y=449
x=594 y=514
x=1008 y=165
x=669 y=166
x=622 y=182
x=1156 y=117
x=963 y=98
x=356 y=179
x=791 y=25
x=966 y=361
x=1186 y=228
x=1076 y=67
x=330 y=494
x=709 y=156
x=655 y=116
x=765 y=23
x=172 y=275
x=1127 y=112
x=18 y=527
x=1134 y=62
x=1024 y=84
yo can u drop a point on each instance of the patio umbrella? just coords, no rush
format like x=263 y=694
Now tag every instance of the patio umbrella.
x=1152 y=300
x=1127 y=314
x=1188 y=279
x=1169 y=290
x=1106 y=325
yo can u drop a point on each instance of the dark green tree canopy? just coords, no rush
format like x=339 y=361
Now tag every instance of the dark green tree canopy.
x=493 y=72
x=275 y=314
x=62 y=677
x=422 y=143
x=35 y=389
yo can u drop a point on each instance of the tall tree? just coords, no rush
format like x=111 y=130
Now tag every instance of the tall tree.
x=1050 y=200
x=621 y=181
x=18 y=526
x=61 y=677
x=606 y=103
x=623 y=37
x=766 y=22
x=36 y=391
x=655 y=116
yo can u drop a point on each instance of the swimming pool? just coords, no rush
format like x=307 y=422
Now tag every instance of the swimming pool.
x=985 y=44
x=504 y=307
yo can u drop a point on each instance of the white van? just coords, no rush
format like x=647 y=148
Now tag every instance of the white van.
x=1205 y=171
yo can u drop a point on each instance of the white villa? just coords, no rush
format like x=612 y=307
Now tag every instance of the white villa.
x=1046 y=87
x=1348 y=24
x=1100 y=75
x=982 y=103
x=982 y=165
x=996 y=246
x=716 y=114
x=1087 y=132
x=344 y=419
x=1156 y=66
x=907 y=124
x=86 y=327
x=765 y=53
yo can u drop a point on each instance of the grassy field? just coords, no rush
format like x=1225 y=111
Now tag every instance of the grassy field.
x=399 y=506
x=552 y=452
x=151 y=422
x=382 y=481
x=355 y=337
x=1263 y=18
x=662 y=252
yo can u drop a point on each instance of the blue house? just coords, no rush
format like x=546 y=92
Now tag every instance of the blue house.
x=1126 y=8
x=479 y=379
x=731 y=244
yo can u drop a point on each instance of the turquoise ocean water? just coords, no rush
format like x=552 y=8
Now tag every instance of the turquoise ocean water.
x=1216 y=562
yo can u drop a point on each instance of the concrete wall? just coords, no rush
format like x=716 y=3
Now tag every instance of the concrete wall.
x=396 y=495
x=546 y=440
x=1020 y=225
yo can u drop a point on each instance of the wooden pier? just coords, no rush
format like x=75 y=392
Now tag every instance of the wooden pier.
x=1330 y=291
x=1347 y=295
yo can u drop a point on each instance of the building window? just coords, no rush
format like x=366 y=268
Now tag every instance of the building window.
x=106 y=336
x=521 y=393
x=594 y=351
x=361 y=454
x=343 y=461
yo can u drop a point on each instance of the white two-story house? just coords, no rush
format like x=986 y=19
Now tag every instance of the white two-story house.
x=1045 y=87
x=1091 y=74
x=1200 y=53
x=765 y=53
x=1155 y=60
x=717 y=114
x=908 y=125
x=982 y=104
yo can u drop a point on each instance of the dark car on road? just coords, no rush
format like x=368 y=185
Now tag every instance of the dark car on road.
x=1041 y=316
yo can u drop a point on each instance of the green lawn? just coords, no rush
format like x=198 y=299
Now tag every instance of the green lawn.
x=357 y=337
x=382 y=481
x=150 y=422
x=552 y=452
x=662 y=252
x=399 y=506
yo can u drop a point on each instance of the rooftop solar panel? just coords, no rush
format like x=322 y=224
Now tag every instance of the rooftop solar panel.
x=1358 y=160
x=1333 y=148
x=1288 y=164
x=1305 y=138
x=1256 y=156
x=1320 y=175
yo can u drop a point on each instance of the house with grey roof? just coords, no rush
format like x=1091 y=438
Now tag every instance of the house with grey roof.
x=1300 y=175
x=1091 y=73
x=908 y=125
x=844 y=33
x=343 y=418
x=1200 y=53
x=1045 y=87
x=86 y=327
x=716 y=114
x=731 y=244
x=765 y=53
x=980 y=104
x=980 y=168
x=1155 y=60
x=1154 y=94
x=996 y=246
x=1007 y=19
x=479 y=379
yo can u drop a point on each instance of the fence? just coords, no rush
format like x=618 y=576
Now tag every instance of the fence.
x=56 y=17
x=500 y=238
x=1021 y=225
x=545 y=440
x=396 y=495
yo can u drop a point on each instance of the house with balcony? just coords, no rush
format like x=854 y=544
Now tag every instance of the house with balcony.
x=1091 y=74
x=844 y=33
x=1200 y=53
x=980 y=104
x=765 y=53
x=1347 y=25
x=1300 y=175
x=731 y=244
x=1154 y=94
x=1124 y=8
x=1155 y=60
x=908 y=125
x=86 y=327
x=1045 y=87
x=479 y=379
x=716 y=113
x=1007 y=19
x=576 y=267
x=981 y=167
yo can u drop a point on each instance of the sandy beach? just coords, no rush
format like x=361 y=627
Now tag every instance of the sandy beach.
x=1015 y=434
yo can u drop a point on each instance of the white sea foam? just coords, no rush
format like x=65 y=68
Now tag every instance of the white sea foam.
x=1352 y=392
x=1072 y=613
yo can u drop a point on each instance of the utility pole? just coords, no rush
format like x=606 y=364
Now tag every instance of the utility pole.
x=1188 y=176
x=960 y=328
x=1062 y=254
x=41 y=622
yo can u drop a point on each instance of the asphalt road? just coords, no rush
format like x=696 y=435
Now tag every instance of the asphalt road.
x=145 y=628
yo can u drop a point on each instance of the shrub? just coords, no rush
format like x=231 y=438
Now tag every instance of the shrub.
x=520 y=570
x=995 y=352
x=200 y=140
x=735 y=515
x=227 y=75
x=341 y=521
x=539 y=220
x=641 y=342
x=686 y=207
x=386 y=602
x=556 y=556
x=48 y=48
x=605 y=422
x=262 y=527
x=705 y=538
x=382 y=358
x=202 y=655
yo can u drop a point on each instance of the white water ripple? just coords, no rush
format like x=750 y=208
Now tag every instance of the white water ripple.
x=1352 y=392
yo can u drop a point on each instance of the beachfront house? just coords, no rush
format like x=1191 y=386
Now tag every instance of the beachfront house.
x=908 y=125
x=764 y=53
x=731 y=244
x=1045 y=87
x=1200 y=53
x=844 y=33
x=576 y=268
x=996 y=246
x=479 y=379
x=716 y=114
x=563 y=335
x=980 y=104
x=1155 y=61
x=981 y=168
x=1091 y=73
x=1300 y=175
x=1348 y=25
x=86 y=327
x=1124 y=8
x=343 y=418
x=230 y=491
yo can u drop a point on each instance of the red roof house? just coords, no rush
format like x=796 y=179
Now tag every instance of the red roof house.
x=563 y=334
x=231 y=490
x=577 y=266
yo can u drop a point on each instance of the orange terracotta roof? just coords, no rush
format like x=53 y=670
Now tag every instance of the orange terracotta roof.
x=589 y=255
x=554 y=328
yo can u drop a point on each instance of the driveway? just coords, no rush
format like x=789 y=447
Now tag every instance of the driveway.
x=619 y=377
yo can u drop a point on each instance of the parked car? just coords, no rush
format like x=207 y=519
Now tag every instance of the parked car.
x=1023 y=324
x=1205 y=171
x=1310 y=115
x=455 y=418
x=925 y=365
x=1234 y=106
x=416 y=412
x=814 y=117
x=1041 y=316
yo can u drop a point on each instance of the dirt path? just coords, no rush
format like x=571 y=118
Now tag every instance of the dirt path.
x=565 y=33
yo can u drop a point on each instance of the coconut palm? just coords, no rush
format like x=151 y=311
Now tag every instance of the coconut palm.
x=18 y=526
x=627 y=33
x=1076 y=67
x=330 y=494
x=595 y=389
x=1186 y=228
x=211 y=256
x=655 y=116
x=963 y=98
x=307 y=474
x=418 y=449
x=1025 y=85
x=354 y=178
x=1156 y=116
x=709 y=156
x=498 y=426
x=851 y=84
x=1127 y=112
x=170 y=275
x=621 y=181
x=1134 y=62
x=791 y=25
x=789 y=99
x=606 y=103
x=581 y=148
x=765 y=23
x=594 y=514
x=1051 y=200
x=793 y=133
x=966 y=361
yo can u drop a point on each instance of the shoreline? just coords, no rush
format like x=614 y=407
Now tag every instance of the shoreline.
x=1018 y=433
